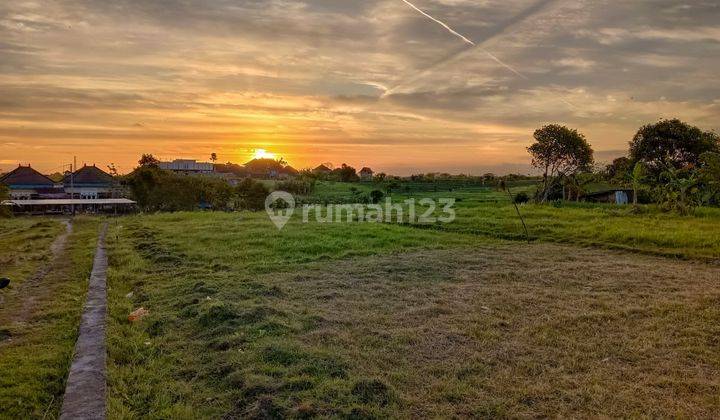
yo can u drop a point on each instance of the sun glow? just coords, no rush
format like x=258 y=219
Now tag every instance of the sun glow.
x=263 y=154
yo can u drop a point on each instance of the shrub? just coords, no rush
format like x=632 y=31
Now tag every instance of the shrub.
x=297 y=186
x=4 y=195
x=521 y=198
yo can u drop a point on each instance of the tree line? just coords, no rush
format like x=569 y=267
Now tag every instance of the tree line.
x=671 y=163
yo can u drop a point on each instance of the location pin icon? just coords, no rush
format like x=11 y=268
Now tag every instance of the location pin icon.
x=280 y=214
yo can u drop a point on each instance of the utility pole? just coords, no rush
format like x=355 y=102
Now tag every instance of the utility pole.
x=72 y=184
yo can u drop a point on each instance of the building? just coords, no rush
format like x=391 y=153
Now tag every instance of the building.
x=322 y=170
x=25 y=183
x=89 y=183
x=187 y=167
x=68 y=206
x=264 y=168
x=288 y=172
x=613 y=196
x=366 y=174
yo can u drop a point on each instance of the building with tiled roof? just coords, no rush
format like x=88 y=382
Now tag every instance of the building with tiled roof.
x=322 y=169
x=366 y=174
x=25 y=183
x=89 y=182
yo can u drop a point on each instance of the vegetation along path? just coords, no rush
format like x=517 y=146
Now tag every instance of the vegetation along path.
x=33 y=288
x=86 y=385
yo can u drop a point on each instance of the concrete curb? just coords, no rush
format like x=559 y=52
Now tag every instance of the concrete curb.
x=86 y=389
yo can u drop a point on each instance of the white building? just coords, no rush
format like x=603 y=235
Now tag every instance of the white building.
x=187 y=167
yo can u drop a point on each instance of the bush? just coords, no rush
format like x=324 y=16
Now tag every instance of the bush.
x=521 y=198
x=297 y=186
x=251 y=195
x=157 y=190
x=376 y=196
x=4 y=195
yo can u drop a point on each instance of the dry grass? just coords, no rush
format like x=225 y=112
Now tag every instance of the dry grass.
x=494 y=329
x=537 y=330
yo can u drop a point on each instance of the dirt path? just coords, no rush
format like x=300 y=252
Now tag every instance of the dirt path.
x=32 y=290
x=86 y=386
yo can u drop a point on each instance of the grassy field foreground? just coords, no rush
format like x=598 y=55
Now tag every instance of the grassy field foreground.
x=40 y=312
x=379 y=320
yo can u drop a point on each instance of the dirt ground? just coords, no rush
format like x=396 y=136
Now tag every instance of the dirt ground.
x=522 y=330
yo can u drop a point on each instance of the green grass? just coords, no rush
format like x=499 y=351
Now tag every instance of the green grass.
x=177 y=265
x=648 y=229
x=35 y=353
x=381 y=320
x=377 y=320
x=25 y=245
x=338 y=192
x=617 y=227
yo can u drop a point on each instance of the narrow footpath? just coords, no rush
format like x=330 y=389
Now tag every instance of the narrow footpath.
x=86 y=389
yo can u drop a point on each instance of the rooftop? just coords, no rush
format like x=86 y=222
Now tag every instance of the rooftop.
x=25 y=175
x=89 y=175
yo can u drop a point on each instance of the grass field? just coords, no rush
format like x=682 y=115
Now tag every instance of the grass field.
x=39 y=315
x=371 y=320
x=25 y=246
x=647 y=229
x=361 y=320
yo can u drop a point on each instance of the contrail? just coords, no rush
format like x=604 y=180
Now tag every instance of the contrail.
x=456 y=54
x=439 y=22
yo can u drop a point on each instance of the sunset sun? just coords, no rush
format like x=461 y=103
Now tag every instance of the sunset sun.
x=263 y=154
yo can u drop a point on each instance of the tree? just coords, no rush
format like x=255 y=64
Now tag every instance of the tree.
x=637 y=178
x=671 y=142
x=619 y=169
x=213 y=157
x=709 y=174
x=678 y=189
x=560 y=152
x=112 y=170
x=346 y=173
x=148 y=160
x=252 y=194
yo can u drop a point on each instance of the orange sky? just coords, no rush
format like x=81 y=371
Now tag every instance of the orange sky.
x=370 y=83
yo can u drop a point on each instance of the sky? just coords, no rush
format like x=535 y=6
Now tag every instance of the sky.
x=401 y=86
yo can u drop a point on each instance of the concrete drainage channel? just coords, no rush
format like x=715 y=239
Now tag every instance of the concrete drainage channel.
x=86 y=389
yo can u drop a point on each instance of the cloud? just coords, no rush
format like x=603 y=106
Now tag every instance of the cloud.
x=306 y=77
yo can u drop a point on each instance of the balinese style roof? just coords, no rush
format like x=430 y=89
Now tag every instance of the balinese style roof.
x=263 y=166
x=322 y=168
x=366 y=170
x=26 y=176
x=89 y=175
x=289 y=170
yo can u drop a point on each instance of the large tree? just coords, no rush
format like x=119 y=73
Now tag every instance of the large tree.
x=671 y=143
x=559 y=152
x=148 y=160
